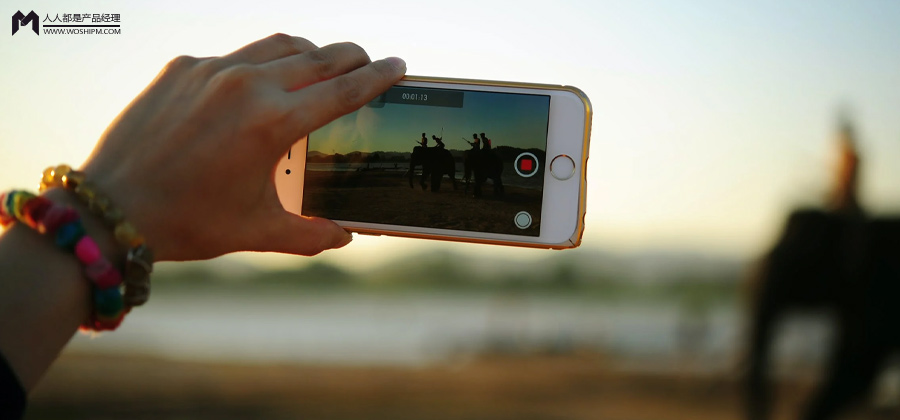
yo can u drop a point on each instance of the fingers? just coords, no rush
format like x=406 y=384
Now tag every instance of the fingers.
x=270 y=48
x=318 y=104
x=292 y=234
x=296 y=71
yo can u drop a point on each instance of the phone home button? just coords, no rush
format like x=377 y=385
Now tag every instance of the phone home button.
x=562 y=167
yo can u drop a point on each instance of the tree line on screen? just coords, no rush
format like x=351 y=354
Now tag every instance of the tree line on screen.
x=506 y=153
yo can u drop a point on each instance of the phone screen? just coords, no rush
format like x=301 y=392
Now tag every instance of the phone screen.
x=435 y=158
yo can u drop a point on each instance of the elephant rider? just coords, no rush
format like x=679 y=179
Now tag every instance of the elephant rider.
x=424 y=141
x=487 y=142
x=476 y=145
x=438 y=140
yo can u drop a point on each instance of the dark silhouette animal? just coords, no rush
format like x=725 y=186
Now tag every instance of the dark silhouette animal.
x=435 y=163
x=838 y=260
x=484 y=164
x=843 y=263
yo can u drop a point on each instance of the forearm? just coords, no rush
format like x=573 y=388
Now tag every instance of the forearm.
x=44 y=295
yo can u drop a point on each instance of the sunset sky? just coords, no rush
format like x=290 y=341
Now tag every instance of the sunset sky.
x=507 y=119
x=711 y=119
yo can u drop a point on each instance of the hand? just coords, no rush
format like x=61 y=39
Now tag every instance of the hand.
x=191 y=161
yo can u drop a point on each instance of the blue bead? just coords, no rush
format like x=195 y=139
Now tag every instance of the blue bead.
x=8 y=203
x=68 y=235
x=108 y=302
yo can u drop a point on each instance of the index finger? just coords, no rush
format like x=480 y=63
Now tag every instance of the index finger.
x=271 y=48
x=323 y=102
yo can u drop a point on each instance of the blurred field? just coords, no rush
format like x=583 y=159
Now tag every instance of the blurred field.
x=585 y=335
x=535 y=388
x=572 y=387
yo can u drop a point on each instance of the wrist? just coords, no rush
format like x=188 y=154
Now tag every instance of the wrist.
x=138 y=261
x=135 y=204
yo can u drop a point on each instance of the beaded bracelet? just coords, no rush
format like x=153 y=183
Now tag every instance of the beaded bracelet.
x=139 y=262
x=64 y=225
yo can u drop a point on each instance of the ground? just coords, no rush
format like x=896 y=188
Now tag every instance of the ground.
x=385 y=197
x=512 y=387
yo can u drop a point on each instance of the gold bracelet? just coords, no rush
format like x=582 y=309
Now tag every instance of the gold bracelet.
x=139 y=260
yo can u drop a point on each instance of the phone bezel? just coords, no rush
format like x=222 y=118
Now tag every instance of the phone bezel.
x=564 y=202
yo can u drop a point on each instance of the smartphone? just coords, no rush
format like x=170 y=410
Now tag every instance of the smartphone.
x=450 y=159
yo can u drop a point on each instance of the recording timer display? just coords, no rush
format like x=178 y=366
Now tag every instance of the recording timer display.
x=419 y=96
x=415 y=97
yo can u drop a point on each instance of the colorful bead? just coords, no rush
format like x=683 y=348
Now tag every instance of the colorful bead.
x=109 y=278
x=140 y=258
x=57 y=216
x=35 y=210
x=65 y=225
x=19 y=200
x=107 y=323
x=53 y=218
x=96 y=268
x=85 y=192
x=108 y=302
x=59 y=172
x=127 y=235
x=137 y=296
x=99 y=204
x=72 y=179
x=138 y=267
x=5 y=217
x=46 y=178
x=113 y=216
x=68 y=235
x=8 y=204
x=9 y=200
x=87 y=250
x=139 y=264
x=103 y=274
x=13 y=203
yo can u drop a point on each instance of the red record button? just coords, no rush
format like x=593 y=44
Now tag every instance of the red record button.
x=526 y=165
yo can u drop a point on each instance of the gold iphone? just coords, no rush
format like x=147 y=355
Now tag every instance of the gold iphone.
x=450 y=159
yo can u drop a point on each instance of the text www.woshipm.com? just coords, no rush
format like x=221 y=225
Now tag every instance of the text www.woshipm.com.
x=82 y=31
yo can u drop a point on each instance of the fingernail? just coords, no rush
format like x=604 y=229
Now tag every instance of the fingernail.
x=397 y=62
x=346 y=240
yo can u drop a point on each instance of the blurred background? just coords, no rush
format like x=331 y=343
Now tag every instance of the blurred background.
x=712 y=121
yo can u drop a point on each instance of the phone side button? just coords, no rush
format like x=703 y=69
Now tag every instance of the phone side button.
x=562 y=167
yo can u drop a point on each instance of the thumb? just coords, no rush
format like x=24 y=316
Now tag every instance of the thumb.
x=300 y=235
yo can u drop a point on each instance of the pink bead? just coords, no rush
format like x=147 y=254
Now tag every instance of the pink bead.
x=87 y=250
x=96 y=268
x=57 y=216
x=52 y=218
x=109 y=278
x=103 y=274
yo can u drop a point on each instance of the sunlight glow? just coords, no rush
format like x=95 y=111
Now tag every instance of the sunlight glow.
x=710 y=120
